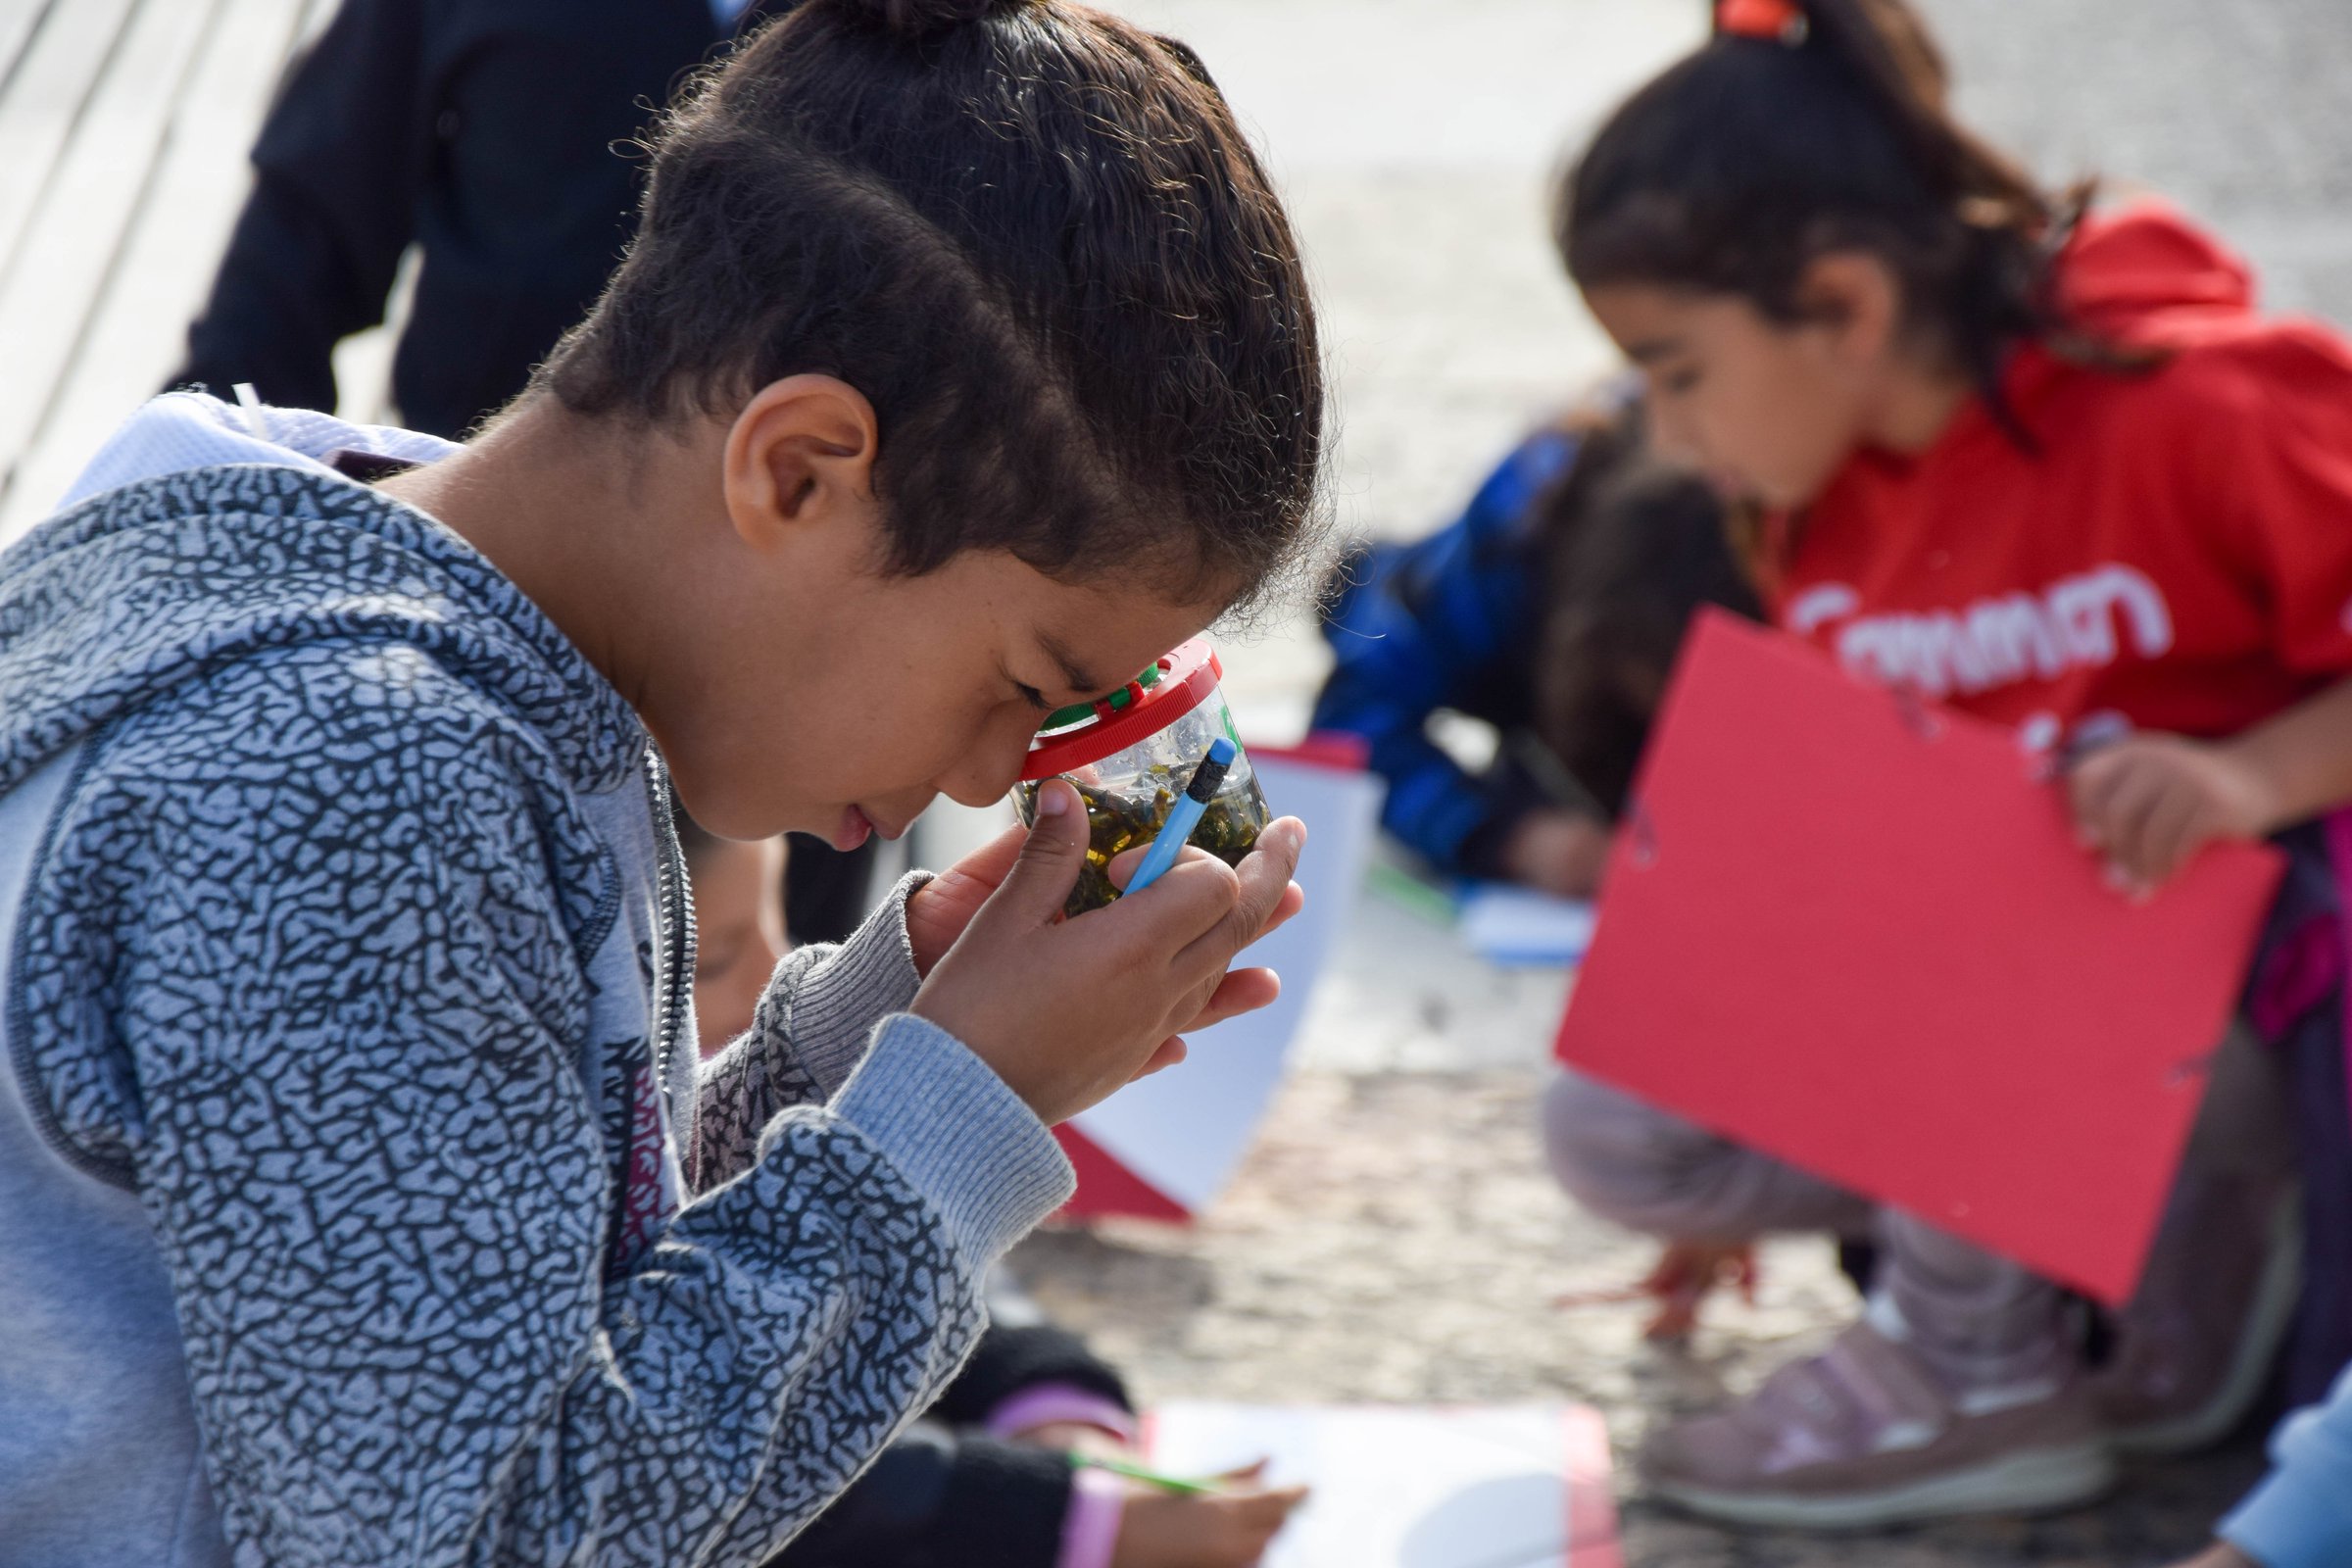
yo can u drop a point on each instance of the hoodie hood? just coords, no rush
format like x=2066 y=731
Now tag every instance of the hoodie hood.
x=2145 y=275
x=205 y=533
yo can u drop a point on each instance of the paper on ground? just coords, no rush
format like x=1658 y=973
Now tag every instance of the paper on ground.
x=1506 y=925
x=1183 y=1131
x=1415 y=1487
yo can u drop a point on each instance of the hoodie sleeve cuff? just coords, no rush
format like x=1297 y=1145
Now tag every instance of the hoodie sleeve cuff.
x=958 y=1134
x=829 y=1012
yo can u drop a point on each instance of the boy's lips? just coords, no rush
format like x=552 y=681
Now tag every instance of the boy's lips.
x=857 y=827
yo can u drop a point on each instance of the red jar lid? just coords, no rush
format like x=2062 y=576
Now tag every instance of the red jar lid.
x=1139 y=709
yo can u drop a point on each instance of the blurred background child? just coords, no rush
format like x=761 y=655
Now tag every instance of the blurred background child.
x=2051 y=467
x=1551 y=610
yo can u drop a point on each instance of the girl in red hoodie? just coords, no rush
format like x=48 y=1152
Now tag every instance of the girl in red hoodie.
x=2051 y=468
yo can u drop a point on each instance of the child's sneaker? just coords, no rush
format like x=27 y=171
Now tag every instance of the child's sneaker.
x=1866 y=1435
x=2194 y=1348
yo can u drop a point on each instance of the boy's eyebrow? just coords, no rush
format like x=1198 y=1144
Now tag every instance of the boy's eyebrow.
x=1079 y=679
x=1649 y=351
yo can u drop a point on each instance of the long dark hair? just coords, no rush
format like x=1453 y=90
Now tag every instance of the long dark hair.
x=1628 y=548
x=1738 y=165
x=1034 y=237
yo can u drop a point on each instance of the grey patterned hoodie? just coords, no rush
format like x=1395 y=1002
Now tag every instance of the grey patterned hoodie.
x=361 y=1201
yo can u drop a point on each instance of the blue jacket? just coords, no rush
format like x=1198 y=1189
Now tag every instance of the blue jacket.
x=1446 y=623
x=2301 y=1515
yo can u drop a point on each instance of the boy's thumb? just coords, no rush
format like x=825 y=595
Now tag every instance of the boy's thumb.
x=1055 y=851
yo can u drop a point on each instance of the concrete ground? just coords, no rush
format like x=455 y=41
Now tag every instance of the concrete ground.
x=1394 y=1237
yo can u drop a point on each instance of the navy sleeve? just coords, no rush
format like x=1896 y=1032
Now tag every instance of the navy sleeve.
x=941 y=1498
x=1013 y=1359
x=1426 y=629
x=336 y=174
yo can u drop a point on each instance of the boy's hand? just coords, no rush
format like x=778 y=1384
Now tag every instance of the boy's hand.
x=2148 y=803
x=942 y=906
x=1068 y=1011
x=1230 y=1530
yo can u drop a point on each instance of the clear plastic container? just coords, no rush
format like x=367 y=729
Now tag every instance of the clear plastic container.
x=1132 y=754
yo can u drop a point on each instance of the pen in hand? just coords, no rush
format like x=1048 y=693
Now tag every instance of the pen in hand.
x=1150 y=1478
x=1185 y=815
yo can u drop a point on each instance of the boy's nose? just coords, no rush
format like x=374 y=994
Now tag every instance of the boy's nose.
x=987 y=771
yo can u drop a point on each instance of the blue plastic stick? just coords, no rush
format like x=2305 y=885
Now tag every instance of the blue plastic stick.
x=1177 y=831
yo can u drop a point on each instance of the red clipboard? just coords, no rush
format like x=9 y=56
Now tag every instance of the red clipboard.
x=1856 y=932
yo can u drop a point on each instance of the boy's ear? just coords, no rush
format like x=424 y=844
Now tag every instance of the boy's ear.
x=800 y=452
x=1855 y=298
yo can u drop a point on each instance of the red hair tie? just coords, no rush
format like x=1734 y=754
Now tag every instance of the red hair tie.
x=1773 y=20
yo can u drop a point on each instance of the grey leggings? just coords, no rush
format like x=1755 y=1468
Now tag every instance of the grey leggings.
x=1977 y=1317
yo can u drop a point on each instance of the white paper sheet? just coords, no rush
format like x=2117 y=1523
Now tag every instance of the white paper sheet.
x=1507 y=924
x=1415 y=1487
x=1185 y=1130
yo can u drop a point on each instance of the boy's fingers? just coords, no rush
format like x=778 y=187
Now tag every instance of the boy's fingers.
x=1207 y=956
x=1293 y=898
x=1287 y=906
x=992 y=863
x=1241 y=991
x=1122 y=864
x=1166 y=919
x=1266 y=873
x=945 y=906
x=1169 y=1053
x=1047 y=866
x=1265 y=886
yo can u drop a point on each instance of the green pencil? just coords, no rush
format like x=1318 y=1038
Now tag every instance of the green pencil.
x=1412 y=894
x=1150 y=1478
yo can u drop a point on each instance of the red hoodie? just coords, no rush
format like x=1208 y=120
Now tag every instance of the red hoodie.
x=2178 y=554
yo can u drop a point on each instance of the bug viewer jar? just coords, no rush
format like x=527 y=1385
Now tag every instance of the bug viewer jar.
x=1130 y=754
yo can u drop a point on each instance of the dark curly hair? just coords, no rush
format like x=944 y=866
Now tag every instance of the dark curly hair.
x=1628 y=548
x=1736 y=168
x=1034 y=237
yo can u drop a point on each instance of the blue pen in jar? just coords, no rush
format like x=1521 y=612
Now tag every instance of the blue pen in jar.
x=1133 y=756
x=1183 y=815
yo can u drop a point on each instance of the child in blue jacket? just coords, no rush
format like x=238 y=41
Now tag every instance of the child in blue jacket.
x=1551 y=608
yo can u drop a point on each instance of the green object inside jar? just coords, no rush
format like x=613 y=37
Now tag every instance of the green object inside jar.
x=1131 y=817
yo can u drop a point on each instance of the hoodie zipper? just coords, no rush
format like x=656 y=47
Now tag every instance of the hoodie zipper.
x=677 y=922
